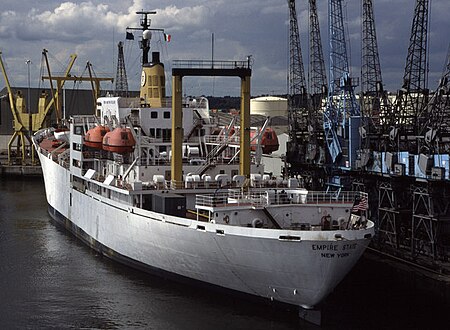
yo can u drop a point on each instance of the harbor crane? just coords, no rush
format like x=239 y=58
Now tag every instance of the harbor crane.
x=315 y=150
x=341 y=120
x=410 y=113
x=394 y=147
x=373 y=98
x=26 y=123
x=297 y=95
x=305 y=149
x=21 y=118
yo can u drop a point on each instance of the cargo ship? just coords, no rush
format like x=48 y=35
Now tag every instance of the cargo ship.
x=108 y=181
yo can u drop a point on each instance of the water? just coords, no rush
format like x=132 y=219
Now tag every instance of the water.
x=48 y=279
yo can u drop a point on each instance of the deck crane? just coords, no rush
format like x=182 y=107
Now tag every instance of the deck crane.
x=341 y=120
x=297 y=96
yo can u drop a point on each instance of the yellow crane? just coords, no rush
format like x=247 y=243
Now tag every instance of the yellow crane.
x=24 y=123
x=21 y=119
x=56 y=100
x=95 y=84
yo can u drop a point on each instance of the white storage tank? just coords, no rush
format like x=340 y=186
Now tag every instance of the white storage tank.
x=268 y=106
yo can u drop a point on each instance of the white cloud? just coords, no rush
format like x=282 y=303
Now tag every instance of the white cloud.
x=257 y=27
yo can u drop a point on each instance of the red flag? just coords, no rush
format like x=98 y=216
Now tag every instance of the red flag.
x=167 y=37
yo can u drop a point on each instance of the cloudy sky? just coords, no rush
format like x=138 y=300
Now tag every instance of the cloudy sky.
x=91 y=29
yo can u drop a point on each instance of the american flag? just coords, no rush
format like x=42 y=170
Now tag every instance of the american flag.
x=360 y=205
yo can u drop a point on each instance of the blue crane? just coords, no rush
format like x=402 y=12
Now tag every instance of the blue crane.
x=341 y=120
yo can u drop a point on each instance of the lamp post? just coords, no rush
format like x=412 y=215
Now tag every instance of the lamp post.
x=28 y=62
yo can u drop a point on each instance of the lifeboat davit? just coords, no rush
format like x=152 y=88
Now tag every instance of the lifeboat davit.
x=94 y=137
x=120 y=140
x=269 y=141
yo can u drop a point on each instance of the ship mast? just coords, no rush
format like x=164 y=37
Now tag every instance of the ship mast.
x=153 y=80
x=146 y=34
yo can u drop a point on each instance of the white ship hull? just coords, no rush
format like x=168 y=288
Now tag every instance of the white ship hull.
x=255 y=261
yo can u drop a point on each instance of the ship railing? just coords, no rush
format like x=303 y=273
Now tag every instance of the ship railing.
x=196 y=185
x=260 y=199
x=211 y=200
x=219 y=138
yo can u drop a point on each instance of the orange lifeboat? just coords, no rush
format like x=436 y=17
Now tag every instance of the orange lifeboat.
x=94 y=137
x=269 y=141
x=120 y=140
